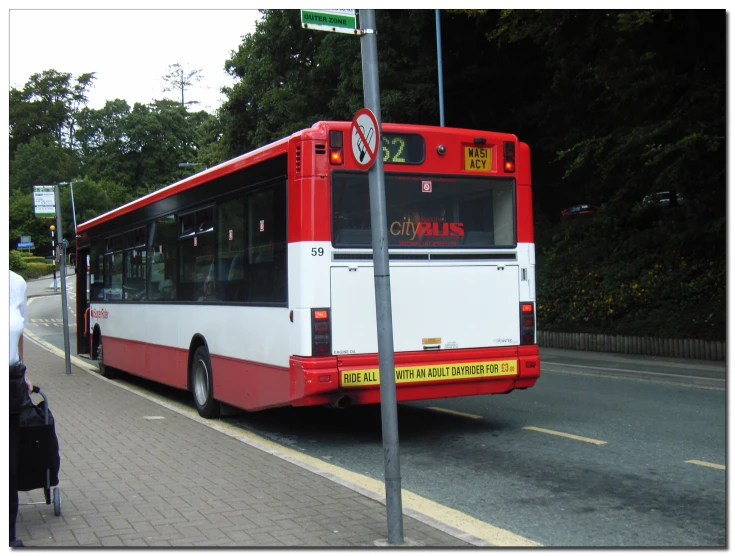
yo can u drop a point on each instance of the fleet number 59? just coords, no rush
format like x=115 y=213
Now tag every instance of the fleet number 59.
x=317 y=252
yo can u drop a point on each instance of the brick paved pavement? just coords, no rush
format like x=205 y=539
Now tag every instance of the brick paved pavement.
x=129 y=480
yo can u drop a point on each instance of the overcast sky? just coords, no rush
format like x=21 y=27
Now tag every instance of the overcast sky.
x=130 y=50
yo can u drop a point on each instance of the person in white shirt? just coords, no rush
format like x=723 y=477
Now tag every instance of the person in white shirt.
x=17 y=292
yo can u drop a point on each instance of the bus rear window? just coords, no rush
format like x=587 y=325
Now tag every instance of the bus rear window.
x=426 y=212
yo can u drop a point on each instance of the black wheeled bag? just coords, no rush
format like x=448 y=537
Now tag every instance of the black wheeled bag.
x=39 y=447
x=18 y=387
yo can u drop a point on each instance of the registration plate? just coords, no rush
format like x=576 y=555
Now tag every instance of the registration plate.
x=430 y=373
x=477 y=159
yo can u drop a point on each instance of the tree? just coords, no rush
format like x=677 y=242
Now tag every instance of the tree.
x=39 y=162
x=179 y=80
x=632 y=103
x=206 y=145
x=23 y=222
x=140 y=148
x=290 y=78
x=47 y=106
x=36 y=163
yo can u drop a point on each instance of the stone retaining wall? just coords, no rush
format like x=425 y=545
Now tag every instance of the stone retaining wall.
x=692 y=349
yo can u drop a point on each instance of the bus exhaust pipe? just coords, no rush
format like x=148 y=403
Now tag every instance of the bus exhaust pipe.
x=342 y=402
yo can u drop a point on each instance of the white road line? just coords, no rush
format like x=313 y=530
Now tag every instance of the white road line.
x=724 y=372
x=706 y=464
x=469 y=415
x=636 y=379
x=567 y=435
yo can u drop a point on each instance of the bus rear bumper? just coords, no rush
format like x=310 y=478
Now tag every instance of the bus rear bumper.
x=314 y=380
x=318 y=380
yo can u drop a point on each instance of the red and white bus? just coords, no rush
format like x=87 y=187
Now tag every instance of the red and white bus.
x=251 y=283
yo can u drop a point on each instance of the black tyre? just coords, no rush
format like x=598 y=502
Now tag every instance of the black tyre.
x=57 y=502
x=105 y=371
x=202 y=386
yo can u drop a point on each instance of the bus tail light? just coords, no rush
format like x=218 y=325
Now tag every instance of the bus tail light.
x=509 y=157
x=335 y=148
x=528 y=324
x=335 y=157
x=321 y=336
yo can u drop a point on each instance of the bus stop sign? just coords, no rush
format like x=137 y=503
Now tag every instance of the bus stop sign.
x=335 y=21
x=365 y=138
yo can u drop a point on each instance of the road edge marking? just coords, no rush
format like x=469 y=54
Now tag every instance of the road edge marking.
x=706 y=464
x=567 y=435
x=643 y=376
x=450 y=521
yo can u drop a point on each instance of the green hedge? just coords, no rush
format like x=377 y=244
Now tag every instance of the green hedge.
x=36 y=270
x=33 y=259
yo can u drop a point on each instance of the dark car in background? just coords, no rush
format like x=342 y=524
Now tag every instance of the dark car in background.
x=580 y=210
x=663 y=199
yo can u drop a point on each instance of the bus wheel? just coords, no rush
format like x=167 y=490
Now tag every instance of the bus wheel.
x=105 y=371
x=201 y=384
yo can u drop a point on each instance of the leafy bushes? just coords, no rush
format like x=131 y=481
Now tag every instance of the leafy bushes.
x=17 y=262
x=636 y=278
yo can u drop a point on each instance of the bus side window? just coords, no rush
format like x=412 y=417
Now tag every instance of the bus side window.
x=234 y=289
x=96 y=271
x=163 y=259
x=232 y=269
x=266 y=252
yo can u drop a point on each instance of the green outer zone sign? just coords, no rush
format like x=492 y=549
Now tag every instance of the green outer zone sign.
x=336 y=21
x=43 y=201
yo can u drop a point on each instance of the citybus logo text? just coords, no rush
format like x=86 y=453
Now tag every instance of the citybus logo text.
x=426 y=229
x=99 y=313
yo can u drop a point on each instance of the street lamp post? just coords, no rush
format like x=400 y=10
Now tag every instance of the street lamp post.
x=71 y=190
x=187 y=164
x=439 y=67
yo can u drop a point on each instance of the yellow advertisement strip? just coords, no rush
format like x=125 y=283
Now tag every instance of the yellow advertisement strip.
x=430 y=373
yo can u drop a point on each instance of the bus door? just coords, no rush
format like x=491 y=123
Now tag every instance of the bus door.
x=83 y=317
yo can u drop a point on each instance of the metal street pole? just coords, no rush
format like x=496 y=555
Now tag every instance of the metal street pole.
x=53 y=254
x=73 y=213
x=61 y=246
x=187 y=164
x=439 y=66
x=381 y=269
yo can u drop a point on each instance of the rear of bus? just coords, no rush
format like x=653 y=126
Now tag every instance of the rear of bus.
x=462 y=267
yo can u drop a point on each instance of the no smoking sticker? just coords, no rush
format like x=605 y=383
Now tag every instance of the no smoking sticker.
x=365 y=138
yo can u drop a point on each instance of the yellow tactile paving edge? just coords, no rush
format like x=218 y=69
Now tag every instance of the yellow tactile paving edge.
x=452 y=522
